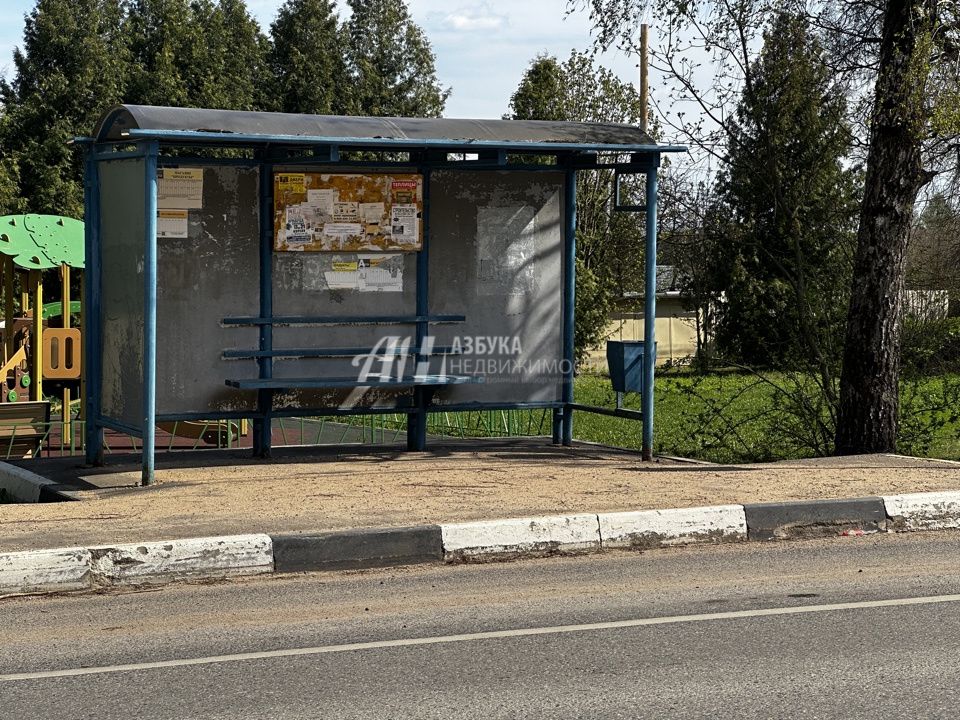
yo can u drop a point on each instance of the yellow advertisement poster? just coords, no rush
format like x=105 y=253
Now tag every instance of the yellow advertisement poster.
x=318 y=212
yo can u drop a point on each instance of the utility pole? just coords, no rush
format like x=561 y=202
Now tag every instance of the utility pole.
x=644 y=76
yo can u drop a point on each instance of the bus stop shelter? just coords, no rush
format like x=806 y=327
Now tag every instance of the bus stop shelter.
x=245 y=265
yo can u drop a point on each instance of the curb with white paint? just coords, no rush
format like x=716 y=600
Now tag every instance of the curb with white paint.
x=45 y=570
x=529 y=536
x=924 y=511
x=218 y=557
x=679 y=526
x=143 y=563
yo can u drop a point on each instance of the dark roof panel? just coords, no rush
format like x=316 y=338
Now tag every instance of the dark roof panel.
x=119 y=120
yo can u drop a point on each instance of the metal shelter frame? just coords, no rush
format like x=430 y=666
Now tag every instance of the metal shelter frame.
x=142 y=132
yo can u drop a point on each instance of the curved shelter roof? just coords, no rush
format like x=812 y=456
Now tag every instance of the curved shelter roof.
x=40 y=242
x=130 y=122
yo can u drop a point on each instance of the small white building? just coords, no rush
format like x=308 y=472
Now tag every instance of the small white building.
x=676 y=327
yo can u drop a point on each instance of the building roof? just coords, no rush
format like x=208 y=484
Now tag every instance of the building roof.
x=131 y=122
x=669 y=280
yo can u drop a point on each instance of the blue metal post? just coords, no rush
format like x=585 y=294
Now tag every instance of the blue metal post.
x=92 y=366
x=650 y=310
x=151 y=151
x=417 y=420
x=569 y=298
x=263 y=427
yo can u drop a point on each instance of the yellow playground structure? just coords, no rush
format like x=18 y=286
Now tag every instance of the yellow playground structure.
x=40 y=341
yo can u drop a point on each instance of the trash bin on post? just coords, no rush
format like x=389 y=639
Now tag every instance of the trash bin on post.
x=625 y=363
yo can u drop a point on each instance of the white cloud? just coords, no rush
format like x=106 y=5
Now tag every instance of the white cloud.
x=477 y=17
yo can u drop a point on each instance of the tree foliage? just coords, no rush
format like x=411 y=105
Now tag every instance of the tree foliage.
x=390 y=61
x=783 y=243
x=899 y=62
x=79 y=57
x=307 y=59
x=195 y=53
x=73 y=64
x=933 y=255
x=609 y=245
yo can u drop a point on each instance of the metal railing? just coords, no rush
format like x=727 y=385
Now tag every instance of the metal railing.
x=59 y=438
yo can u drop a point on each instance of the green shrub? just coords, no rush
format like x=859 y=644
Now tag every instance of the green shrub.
x=931 y=346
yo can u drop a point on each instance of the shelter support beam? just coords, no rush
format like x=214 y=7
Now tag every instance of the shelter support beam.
x=92 y=363
x=150 y=152
x=263 y=426
x=417 y=420
x=569 y=300
x=649 y=309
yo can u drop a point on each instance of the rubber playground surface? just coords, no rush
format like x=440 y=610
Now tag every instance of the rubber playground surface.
x=220 y=492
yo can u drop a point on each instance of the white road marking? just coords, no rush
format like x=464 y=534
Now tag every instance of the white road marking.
x=490 y=635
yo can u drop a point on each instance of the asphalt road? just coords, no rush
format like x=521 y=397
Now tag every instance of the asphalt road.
x=846 y=628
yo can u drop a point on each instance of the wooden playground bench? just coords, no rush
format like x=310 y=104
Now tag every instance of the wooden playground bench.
x=24 y=426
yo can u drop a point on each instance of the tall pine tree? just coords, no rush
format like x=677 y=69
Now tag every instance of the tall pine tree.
x=391 y=64
x=72 y=65
x=196 y=54
x=307 y=59
x=782 y=257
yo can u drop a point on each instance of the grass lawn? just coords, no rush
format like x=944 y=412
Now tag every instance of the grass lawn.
x=734 y=417
x=727 y=417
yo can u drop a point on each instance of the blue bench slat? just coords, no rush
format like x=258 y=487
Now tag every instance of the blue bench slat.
x=345 y=320
x=351 y=382
x=330 y=352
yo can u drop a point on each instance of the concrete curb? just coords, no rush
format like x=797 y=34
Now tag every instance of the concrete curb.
x=815 y=518
x=134 y=564
x=353 y=549
x=81 y=568
x=45 y=570
x=923 y=511
x=25 y=486
x=514 y=536
x=681 y=526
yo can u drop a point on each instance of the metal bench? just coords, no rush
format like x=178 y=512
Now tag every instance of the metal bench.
x=423 y=385
x=311 y=383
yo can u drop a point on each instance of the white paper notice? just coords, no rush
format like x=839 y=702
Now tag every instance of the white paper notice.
x=371 y=212
x=341 y=228
x=346 y=212
x=180 y=188
x=171 y=223
x=297 y=232
x=380 y=273
x=322 y=199
x=367 y=273
x=404 y=224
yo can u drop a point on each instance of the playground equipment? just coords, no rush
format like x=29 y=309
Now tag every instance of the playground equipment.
x=34 y=348
x=46 y=347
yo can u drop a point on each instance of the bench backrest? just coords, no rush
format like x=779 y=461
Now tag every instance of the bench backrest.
x=23 y=426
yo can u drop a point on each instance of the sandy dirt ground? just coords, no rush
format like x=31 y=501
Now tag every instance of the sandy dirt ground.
x=219 y=493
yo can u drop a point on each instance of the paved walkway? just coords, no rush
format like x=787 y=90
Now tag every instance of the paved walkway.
x=219 y=492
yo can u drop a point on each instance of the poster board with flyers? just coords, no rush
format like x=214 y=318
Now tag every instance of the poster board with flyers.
x=328 y=212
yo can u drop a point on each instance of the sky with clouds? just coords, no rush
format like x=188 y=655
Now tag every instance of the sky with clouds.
x=482 y=46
